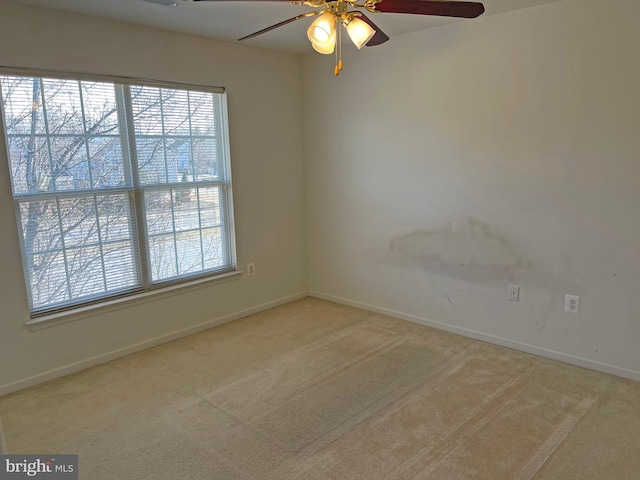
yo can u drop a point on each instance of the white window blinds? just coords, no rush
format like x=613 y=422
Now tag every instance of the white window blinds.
x=118 y=188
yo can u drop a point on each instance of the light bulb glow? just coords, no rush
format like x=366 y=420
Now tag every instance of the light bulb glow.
x=327 y=50
x=322 y=33
x=360 y=32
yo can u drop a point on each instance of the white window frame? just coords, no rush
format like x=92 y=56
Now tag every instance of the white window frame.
x=136 y=191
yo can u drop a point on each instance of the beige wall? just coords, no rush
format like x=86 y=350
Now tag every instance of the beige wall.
x=440 y=167
x=451 y=162
x=264 y=99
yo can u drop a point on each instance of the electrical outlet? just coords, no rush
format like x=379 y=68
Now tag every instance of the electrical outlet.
x=572 y=303
x=514 y=293
x=251 y=269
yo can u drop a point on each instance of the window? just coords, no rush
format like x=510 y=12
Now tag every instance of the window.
x=118 y=188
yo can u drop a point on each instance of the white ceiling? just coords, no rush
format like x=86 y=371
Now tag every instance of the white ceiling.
x=230 y=20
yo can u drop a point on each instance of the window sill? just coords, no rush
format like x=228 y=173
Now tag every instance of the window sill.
x=108 y=306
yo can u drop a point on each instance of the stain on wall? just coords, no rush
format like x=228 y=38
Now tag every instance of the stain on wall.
x=466 y=248
x=471 y=250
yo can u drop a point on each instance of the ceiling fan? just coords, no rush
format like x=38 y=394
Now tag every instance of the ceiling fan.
x=324 y=33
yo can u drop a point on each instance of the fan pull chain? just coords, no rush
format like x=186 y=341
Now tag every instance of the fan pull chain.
x=340 y=47
x=336 y=70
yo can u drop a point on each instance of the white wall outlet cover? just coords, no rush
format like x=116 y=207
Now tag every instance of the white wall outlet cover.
x=514 y=293
x=572 y=303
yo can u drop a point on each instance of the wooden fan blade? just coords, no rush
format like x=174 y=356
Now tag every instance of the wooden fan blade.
x=284 y=22
x=432 y=7
x=379 y=38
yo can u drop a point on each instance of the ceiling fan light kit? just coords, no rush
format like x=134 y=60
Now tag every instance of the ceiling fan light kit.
x=325 y=34
x=322 y=33
x=359 y=32
x=325 y=31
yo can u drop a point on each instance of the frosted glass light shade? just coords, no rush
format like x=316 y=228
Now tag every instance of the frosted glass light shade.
x=322 y=33
x=325 y=50
x=360 y=32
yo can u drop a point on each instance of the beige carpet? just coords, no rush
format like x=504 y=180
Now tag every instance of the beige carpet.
x=314 y=390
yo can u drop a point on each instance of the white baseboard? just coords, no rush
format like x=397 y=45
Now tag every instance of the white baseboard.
x=106 y=357
x=524 y=347
x=504 y=342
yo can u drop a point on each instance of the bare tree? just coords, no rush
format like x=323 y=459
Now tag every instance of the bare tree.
x=68 y=159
